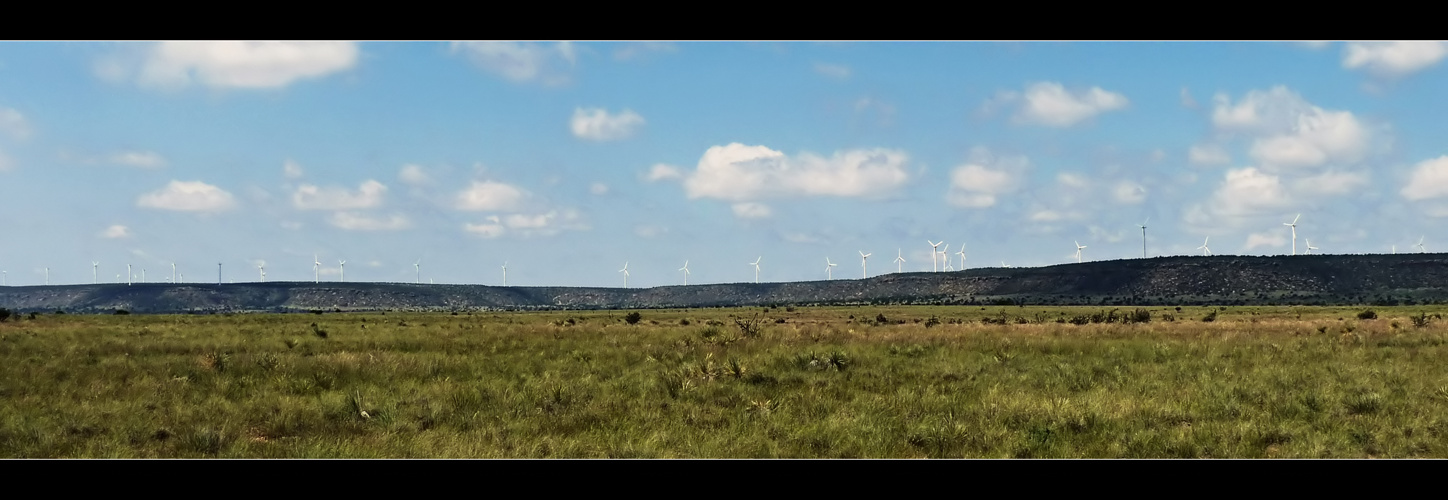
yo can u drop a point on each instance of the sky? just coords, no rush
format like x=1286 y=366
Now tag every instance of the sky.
x=441 y=162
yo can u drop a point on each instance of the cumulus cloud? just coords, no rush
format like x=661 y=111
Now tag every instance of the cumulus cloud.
x=751 y=210
x=1330 y=183
x=490 y=196
x=353 y=221
x=598 y=188
x=541 y=224
x=650 y=231
x=413 y=175
x=836 y=71
x=521 y=62
x=115 y=231
x=188 y=196
x=291 y=170
x=596 y=124
x=980 y=182
x=1428 y=180
x=661 y=172
x=1208 y=154
x=247 y=65
x=1393 y=59
x=138 y=159
x=1290 y=132
x=368 y=195
x=1051 y=104
x=737 y=172
x=1128 y=192
x=14 y=124
x=491 y=229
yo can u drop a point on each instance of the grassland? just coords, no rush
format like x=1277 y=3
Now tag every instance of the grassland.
x=745 y=382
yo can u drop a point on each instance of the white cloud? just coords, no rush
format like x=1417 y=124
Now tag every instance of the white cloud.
x=638 y=50
x=1072 y=180
x=596 y=124
x=1208 y=154
x=542 y=224
x=1050 y=104
x=1267 y=239
x=1099 y=233
x=413 y=175
x=139 y=159
x=598 y=188
x=1313 y=44
x=353 y=221
x=648 y=231
x=493 y=229
x=661 y=171
x=14 y=124
x=738 y=173
x=291 y=170
x=836 y=71
x=251 y=65
x=188 y=196
x=115 y=231
x=1290 y=132
x=309 y=197
x=1428 y=180
x=1128 y=192
x=521 y=62
x=794 y=237
x=1393 y=59
x=1329 y=183
x=1187 y=100
x=751 y=210
x=978 y=183
x=1246 y=192
x=1046 y=216
x=490 y=195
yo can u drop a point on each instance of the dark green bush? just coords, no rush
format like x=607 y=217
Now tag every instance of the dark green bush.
x=633 y=318
x=1368 y=314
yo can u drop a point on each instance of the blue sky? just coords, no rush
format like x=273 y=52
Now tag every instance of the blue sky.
x=566 y=160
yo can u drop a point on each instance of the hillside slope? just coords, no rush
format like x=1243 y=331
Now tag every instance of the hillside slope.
x=1223 y=280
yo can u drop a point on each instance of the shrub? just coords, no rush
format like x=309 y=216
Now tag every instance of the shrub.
x=933 y=321
x=1210 y=317
x=5 y=314
x=750 y=328
x=633 y=318
x=1421 y=320
x=1368 y=314
x=122 y=311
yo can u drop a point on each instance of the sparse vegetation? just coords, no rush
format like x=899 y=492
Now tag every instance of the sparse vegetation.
x=961 y=382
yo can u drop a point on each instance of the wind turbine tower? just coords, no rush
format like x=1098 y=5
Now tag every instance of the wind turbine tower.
x=1420 y=245
x=864 y=258
x=756 y=268
x=173 y=273
x=316 y=269
x=961 y=253
x=47 y=276
x=218 y=273
x=1203 y=248
x=128 y=275
x=945 y=257
x=625 y=274
x=262 y=269
x=342 y=270
x=1079 y=248
x=95 y=276
x=505 y=273
x=1143 y=236
x=685 y=269
x=1294 y=232
x=417 y=266
x=933 y=248
x=899 y=261
x=1310 y=248
x=829 y=269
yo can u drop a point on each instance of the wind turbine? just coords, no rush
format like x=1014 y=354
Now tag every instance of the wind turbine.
x=1079 y=248
x=1003 y=264
x=128 y=275
x=1143 y=236
x=262 y=268
x=961 y=253
x=685 y=269
x=933 y=247
x=342 y=270
x=143 y=275
x=1294 y=232
x=899 y=261
x=756 y=268
x=3 y=274
x=417 y=266
x=218 y=273
x=1420 y=245
x=625 y=274
x=95 y=277
x=505 y=273
x=1310 y=248
x=173 y=272
x=944 y=257
x=863 y=258
x=316 y=269
x=47 y=276
x=829 y=269
x=1203 y=248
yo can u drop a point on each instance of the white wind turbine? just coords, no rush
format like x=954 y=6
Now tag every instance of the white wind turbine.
x=933 y=247
x=829 y=269
x=756 y=268
x=899 y=261
x=261 y=267
x=1420 y=245
x=1294 y=232
x=47 y=276
x=1310 y=248
x=342 y=270
x=173 y=273
x=143 y=275
x=961 y=253
x=1079 y=248
x=417 y=266
x=95 y=277
x=1003 y=264
x=863 y=258
x=625 y=274
x=1203 y=248
x=945 y=257
x=685 y=269
x=316 y=269
x=505 y=273
x=129 y=274
x=1143 y=236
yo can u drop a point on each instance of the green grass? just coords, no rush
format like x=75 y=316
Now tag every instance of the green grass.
x=826 y=382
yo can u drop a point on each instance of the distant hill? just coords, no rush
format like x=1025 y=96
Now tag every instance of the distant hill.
x=1214 y=280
